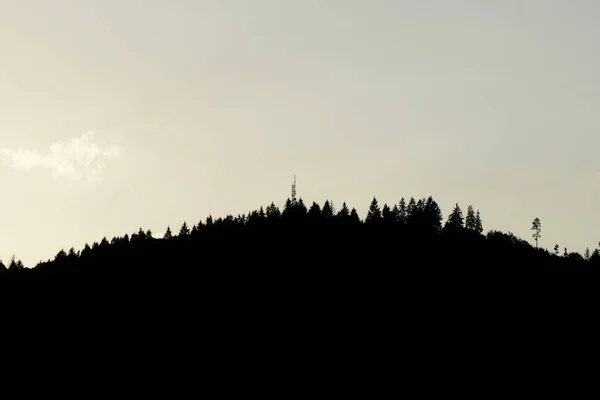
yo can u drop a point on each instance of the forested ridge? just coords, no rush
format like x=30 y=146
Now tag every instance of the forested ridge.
x=300 y=242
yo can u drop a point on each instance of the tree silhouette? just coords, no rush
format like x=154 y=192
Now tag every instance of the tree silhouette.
x=537 y=227
x=433 y=214
x=354 y=217
x=184 y=230
x=314 y=213
x=389 y=217
x=344 y=212
x=374 y=213
x=402 y=211
x=470 y=222
x=168 y=234
x=478 y=223
x=273 y=213
x=327 y=212
x=455 y=219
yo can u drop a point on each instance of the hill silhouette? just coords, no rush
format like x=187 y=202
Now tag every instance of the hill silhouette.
x=403 y=269
x=303 y=243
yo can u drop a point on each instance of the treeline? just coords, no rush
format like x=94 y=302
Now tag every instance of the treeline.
x=305 y=243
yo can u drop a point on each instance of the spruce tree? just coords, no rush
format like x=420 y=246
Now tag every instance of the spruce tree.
x=288 y=208
x=478 y=223
x=374 y=213
x=433 y=214
x=301 y=208
x=396 y=213
x=388 y=215
x=327 y=212
x=402 y=211
x=411 y=210
x=273 y=213
x=470 y=219
x=455 y=219
x=168 y=234
x=184 y=231
x=344 y=212
x=314 y=213
x=354 y=217
x=536 y=226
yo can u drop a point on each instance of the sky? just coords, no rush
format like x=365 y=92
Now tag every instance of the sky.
x=121 y=114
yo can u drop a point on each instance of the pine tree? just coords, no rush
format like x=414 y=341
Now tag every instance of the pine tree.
x=478 y=223
x=327 y=212
x=314 y=213
x=396 y=213
x=168 y=234
x=273 y=213
x=15 y=265
x=536 y=226
x=587 y=254
x=411 y=211
x=402 y=211
x=374 y=213
x=354 y=217
x=60 y=256
x=288 y=208
x=301 y=208
x=556 y=249
x=470 y=222
x=433 y=214
x=86 y=250
x=455 y=219
x=388 y=215
x=72 y=254
x=344 y=212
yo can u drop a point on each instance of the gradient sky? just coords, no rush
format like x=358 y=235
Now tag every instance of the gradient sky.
x=121 y=114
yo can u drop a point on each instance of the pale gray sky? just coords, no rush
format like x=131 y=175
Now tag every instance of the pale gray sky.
x=120 y=114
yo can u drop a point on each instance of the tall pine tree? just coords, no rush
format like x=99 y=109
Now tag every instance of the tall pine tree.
x=470 y=219
x=374 y=213
x=478 y=223
x=402 y=211
x=455 y=219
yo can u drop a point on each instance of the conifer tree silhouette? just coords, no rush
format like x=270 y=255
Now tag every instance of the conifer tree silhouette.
x=470 y=222
x=354 y=217
x=478 y=223
x=374 y=213
x=455 y=219
x=327 y=211
x=314 y=213
x=537 y=227
x=402 y=211
x=344 y=212
x=433 y=214
x=388 y=215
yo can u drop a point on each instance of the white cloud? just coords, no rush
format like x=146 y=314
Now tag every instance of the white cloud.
x=77 y=158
